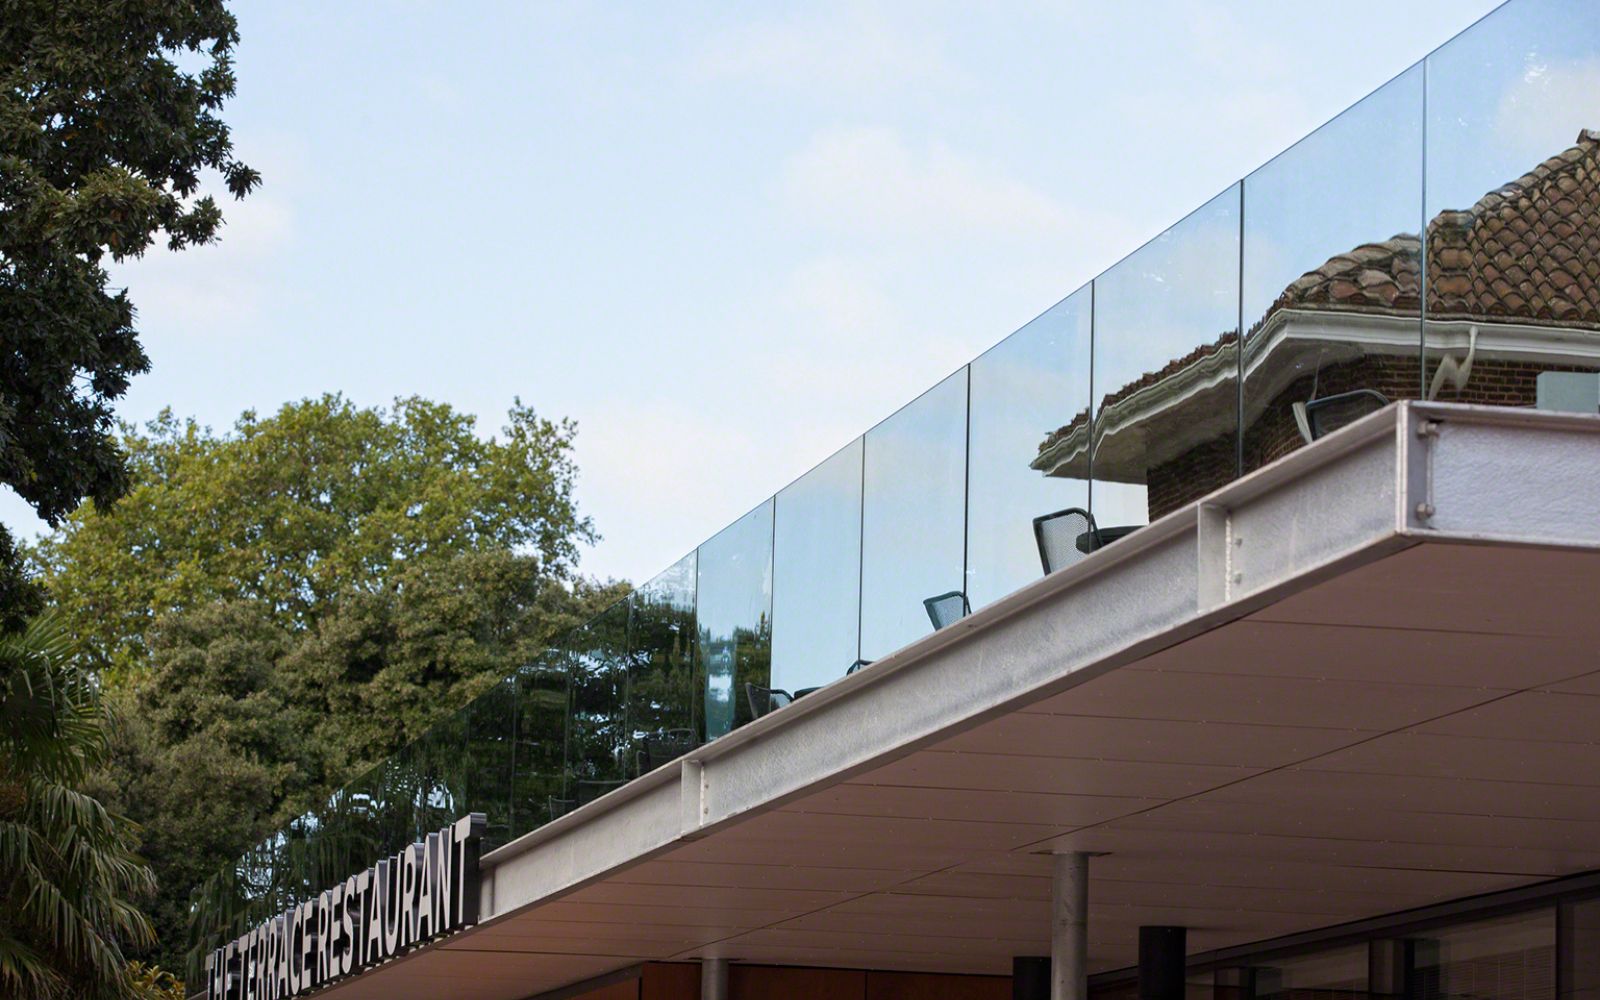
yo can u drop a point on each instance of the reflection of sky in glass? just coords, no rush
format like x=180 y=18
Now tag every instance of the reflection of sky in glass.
x=735 y=596
x=914 y=505
x=1509 y=93
x=817 y=573
x=1177 y=293
x=1028 y=385
x=1356 y=180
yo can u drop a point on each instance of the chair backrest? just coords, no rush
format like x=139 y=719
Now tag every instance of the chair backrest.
x=658 y=748
x=764 y=699
x=1064 y=537
x=589 y=790
x=1319 y=417
x=946 y=608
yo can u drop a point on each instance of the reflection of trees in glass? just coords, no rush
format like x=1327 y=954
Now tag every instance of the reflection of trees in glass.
x=661 y=685
x=598 y=736
x=743 y=658
x=539 y=757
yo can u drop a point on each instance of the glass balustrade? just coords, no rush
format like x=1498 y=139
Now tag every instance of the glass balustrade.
x=1440 y=239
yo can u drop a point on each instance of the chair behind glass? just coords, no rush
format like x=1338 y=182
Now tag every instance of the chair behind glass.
x=1062 y=537
x=764 y=699
x=947 y=608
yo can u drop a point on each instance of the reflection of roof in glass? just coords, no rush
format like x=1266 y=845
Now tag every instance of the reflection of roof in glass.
x=1528 y=252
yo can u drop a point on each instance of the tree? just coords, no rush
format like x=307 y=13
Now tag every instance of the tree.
x=67 y=867
x=242 y=724
x=103 y=141
x=275 y=609
x=301 y=511
x=207 y=752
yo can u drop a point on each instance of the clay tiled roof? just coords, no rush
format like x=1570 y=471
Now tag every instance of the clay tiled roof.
x=1528 y=252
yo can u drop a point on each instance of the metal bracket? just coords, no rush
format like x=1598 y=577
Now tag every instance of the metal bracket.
x=1216 y=541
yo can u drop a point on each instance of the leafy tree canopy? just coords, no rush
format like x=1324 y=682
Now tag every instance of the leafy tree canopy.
x=104 y=138
x=279 y=607
x=312 y=509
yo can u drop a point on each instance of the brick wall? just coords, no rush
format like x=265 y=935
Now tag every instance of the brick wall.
x=1274 y=433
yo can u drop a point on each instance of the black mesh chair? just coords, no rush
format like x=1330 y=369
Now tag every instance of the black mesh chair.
x=661 y=747
x=1319 y=417
x=1064 y=537
x=764 y=699
x=947 y=608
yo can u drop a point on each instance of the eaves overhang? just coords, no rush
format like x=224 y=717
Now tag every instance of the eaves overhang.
x=919 y=794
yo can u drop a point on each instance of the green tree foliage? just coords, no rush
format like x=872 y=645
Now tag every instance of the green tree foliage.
x=103 y=142
x=67 y=868
x=280 y=607
x=319 y=504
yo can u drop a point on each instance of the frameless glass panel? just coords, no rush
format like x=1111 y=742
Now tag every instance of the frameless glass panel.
x=661 y=687
x=485 y=729
x=735 y=621
x=1166 y=371
x=345 y=848
x=1509 y=959
x=1028 y=471
x=443 y=758
x=1332 y=274
x=913 y=514
x=539 y=785
x=1338 y=974
x=597 y=735
x=816 y=574
x=406 y=776
x=1513 y=195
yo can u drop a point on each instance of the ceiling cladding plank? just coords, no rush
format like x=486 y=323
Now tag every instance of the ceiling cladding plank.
x=1210 y=742
x=1369 y=653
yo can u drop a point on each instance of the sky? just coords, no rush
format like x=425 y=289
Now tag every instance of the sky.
x=723 y=238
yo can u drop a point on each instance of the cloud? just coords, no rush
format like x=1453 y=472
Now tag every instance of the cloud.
x=852 y=47
x=872 y=182
x=211 y=290
x=1545 y=106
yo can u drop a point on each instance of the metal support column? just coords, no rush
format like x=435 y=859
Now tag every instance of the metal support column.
x=713 y=979
x=1161 y=964
x=1069 y=928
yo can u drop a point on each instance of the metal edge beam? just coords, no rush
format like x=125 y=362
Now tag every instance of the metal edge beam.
x=1341 y=502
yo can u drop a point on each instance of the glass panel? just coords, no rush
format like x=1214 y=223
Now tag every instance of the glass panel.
x=735 y=619
x=1029 y=451
x=1340 y=974
x=1332 y=274
x=1166 y=324
x=597 y=740
x=1510 y=959
x=913 y=509
x=661 y=684
x=1514 y=209
x=816 y=574
x=540 y=791
x=484 y=738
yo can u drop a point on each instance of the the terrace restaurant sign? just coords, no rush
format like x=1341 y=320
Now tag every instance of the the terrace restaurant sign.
x=426 y=891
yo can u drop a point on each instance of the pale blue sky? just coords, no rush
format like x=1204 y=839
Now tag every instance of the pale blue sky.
x=724 y=238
